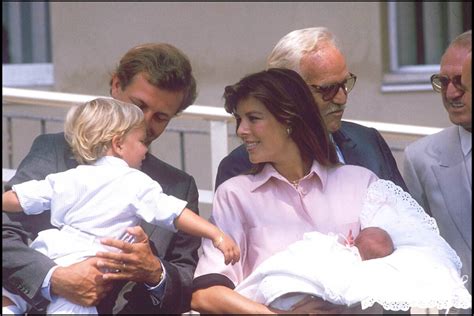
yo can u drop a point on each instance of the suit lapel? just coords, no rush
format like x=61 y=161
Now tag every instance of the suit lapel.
x=150 y=169
x=68 y=158
x=450 y=173
x=346 y=145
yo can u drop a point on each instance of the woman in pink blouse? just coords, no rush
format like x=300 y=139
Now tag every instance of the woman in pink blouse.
x=296 y=186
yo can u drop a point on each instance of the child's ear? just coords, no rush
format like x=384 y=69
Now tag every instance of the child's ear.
x=117 y=145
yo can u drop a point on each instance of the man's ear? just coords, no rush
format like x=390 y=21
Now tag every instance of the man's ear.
x=115 y=88
x=117 y=145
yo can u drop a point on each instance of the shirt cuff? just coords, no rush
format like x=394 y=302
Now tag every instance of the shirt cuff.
x=46 y=286
x=158 y=291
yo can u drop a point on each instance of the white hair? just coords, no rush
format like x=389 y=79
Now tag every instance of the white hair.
x=288 y=52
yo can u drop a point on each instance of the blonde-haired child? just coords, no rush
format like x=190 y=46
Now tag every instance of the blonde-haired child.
x=104 y=195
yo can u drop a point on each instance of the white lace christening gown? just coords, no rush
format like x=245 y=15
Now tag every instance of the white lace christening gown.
x=422 y=272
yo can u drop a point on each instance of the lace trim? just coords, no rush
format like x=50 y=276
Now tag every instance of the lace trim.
x=386 y=193
x=460 y=300
x=405 y=306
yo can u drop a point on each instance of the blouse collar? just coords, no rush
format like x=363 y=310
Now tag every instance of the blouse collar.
x=269 y=172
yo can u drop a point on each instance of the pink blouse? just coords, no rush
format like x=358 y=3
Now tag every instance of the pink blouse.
x=265 y=213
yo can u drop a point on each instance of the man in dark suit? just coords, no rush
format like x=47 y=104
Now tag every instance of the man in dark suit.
x=159 y=265
x=314 y=54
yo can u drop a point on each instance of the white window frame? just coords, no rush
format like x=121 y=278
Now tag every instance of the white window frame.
x=27 y=75
x=18 y=74
x=403 y=78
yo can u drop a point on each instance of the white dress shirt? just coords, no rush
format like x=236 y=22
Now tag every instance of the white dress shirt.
x=466 y=146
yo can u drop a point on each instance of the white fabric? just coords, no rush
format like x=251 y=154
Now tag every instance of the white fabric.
x=101 y=199
x=20 y=304
x=423 y=271
x=466 y=146
x=92 y=201
x=11 y=310
x=466 y=140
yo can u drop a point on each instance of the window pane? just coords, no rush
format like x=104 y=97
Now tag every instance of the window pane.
x=26 y=32
x=418 y=34
x=406 y=24
x=425 y=29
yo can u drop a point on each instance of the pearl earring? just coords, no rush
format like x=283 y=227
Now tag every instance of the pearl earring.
x=288 y=130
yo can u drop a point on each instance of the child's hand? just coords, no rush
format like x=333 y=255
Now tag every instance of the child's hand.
x=228 y=247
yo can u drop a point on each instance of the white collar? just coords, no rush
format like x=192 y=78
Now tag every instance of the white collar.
x=111 y=161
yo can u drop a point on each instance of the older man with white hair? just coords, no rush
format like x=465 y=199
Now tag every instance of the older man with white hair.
x=437 y=168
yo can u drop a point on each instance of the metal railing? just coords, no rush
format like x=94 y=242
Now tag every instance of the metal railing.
x=217 y=117
x=43 y=120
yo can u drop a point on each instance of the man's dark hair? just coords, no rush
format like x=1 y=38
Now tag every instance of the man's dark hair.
x=163 y=65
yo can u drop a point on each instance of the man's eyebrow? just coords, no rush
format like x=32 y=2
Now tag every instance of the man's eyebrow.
x=140 y=103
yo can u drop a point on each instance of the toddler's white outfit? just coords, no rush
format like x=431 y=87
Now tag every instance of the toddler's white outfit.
x=87 y=203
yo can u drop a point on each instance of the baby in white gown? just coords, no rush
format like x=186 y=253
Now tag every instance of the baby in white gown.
x=423 y=270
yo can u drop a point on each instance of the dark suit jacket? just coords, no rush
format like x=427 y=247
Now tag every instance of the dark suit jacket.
x=359 y=145
x=24 y=269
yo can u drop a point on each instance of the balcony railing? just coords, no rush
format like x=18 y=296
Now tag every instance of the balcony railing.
x=217 y=117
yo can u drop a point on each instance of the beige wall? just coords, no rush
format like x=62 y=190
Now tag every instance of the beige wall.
x=225 y=41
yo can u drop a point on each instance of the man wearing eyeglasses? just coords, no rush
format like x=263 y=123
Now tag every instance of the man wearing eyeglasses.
x=314 y=54
x=437 y=168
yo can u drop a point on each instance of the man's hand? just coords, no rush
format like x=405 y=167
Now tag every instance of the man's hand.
x=136 y=262
x=80 y=283
x=6 y=301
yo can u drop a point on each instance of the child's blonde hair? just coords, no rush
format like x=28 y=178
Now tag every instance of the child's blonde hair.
x=90 y=127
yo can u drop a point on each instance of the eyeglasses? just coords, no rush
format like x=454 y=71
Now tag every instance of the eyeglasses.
x=329 y=91
x=440 y=82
